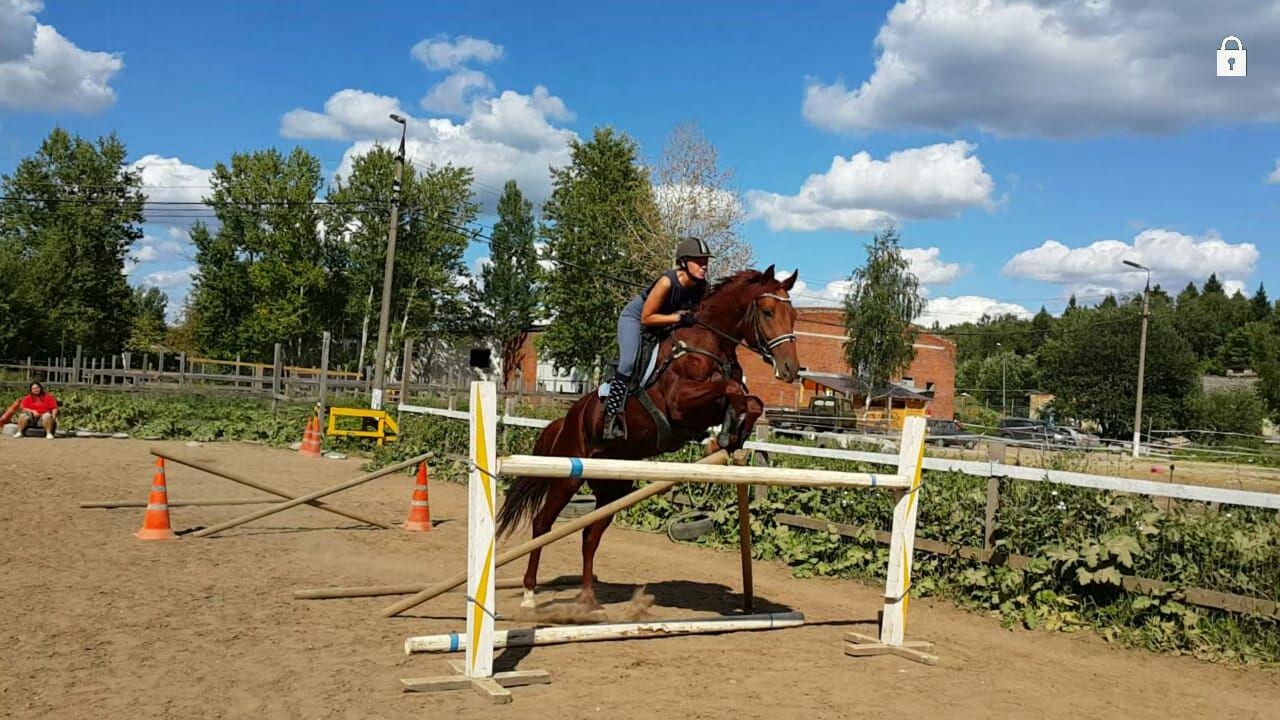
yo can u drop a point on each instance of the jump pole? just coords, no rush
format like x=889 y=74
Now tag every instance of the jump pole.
x=109 y=504
x=644 y=493
x=236 y=478
x=309 y=497
x=893 y=619
x=332 y=593
x=525 y=637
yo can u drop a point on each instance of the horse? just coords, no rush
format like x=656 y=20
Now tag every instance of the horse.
x=698 y=385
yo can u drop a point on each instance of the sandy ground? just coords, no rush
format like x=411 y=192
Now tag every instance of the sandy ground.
x=98 y=624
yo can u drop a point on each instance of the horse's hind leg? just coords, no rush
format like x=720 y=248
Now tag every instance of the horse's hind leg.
x=558 y=496
x=606 y=492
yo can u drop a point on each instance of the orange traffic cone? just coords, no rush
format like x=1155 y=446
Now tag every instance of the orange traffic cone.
x=419 y=507
x=155 y=524
x=311 y=439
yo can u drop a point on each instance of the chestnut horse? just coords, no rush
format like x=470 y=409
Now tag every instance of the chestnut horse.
x=701 y=387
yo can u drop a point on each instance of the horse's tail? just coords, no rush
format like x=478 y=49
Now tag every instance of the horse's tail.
x=526 y=496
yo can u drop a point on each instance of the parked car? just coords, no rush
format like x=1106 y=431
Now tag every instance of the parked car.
x=824 y=414
x=949 y=432
x=1080 y=438
x=1031 y=430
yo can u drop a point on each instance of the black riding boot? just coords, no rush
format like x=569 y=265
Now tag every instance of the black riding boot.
x=615 y=426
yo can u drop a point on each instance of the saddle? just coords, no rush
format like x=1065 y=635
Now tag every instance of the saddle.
x=647 y=358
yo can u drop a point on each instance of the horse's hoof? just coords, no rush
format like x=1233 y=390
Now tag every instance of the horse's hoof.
x=528 y=603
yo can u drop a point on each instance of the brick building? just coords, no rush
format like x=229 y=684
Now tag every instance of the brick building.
x=820 y=344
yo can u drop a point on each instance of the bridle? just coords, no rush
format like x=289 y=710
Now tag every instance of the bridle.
x=761 y=345
x=764 y=346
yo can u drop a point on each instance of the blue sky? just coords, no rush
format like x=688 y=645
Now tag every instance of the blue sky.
x=1024 y=148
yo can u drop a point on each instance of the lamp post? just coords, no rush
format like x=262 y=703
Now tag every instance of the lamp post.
x=1142 y=356
x=380 y=356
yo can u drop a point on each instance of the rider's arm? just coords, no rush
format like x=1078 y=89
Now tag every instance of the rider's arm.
x=649 y=315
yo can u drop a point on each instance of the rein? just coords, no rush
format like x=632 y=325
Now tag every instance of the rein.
x=763 y=346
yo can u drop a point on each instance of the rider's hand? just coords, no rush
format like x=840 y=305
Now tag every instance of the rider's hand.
x=686 y=318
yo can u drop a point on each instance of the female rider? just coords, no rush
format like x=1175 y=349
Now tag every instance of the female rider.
x=668 y=302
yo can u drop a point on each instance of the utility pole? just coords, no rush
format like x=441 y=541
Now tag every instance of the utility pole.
x=380 y=357
x=1142 y=356
x=1004 y=412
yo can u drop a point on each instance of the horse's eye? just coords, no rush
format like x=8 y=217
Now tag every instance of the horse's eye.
x=768 y=313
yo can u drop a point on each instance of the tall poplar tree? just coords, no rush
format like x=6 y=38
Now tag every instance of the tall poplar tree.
x=880 y=310
x=598 y=204
x=509 y=299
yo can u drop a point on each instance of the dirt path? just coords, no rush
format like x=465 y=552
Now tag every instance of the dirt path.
x=100 y=625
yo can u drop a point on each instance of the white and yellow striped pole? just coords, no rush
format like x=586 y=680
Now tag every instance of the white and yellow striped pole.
x=481 y=543
x=897 y=589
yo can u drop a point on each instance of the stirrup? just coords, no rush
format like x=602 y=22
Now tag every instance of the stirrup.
x=615 y=427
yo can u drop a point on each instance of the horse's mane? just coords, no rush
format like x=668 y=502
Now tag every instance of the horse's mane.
x=732 y=282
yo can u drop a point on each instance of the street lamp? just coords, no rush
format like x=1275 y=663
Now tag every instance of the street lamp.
x=1142 y=356
x=380 y=356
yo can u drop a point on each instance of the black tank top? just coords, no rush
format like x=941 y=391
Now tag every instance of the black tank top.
x=678 y=297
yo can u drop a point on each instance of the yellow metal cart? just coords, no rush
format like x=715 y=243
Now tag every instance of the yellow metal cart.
x=386 y=428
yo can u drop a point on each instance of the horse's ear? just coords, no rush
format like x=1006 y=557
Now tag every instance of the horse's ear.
x=791 y=281
x=766 y=276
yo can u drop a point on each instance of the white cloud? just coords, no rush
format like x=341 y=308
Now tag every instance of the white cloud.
x=1274 y=177
x=453 y=95
x=348 y=114
x=1055 y=68
x=830 y=295
x=166 y=279
x=168 y=179
x=1174 y=259
x=948 y=311
x=503 y=138
x=154 y=249
x=42 y=71
x=863 y=194
x=928 y=267
x=17 y=29
x=441 y=53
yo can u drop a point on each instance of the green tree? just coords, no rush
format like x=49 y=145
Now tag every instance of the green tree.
x=1090 y=364
x=880 y=312
x=1260 y=305
x=1236 y=410
x=509 y=300
x=269 y=251
x=147 y=328
x=430 y=282
x=597 y=207
x=68 y=216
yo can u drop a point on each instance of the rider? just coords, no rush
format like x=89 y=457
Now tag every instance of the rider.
x=668 y=302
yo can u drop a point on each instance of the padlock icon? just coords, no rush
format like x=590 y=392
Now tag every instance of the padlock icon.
x=1231 y=62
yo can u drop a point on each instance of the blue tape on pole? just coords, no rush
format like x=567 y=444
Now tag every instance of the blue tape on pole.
x=575 y=468
x=453 y=642
x=873 y=479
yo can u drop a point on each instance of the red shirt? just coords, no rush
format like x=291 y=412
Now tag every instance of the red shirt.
x=40 y=405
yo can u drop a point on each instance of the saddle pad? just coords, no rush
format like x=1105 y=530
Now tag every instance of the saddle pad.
x=645 y=377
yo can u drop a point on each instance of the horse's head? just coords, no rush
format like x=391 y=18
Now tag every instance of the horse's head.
x=771 y=331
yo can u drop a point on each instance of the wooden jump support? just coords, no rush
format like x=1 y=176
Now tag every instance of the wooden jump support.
x=290 y=501
x=477 y=670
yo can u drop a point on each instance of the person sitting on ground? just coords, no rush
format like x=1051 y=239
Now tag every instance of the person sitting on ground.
x=36 y=408
x=667 y=302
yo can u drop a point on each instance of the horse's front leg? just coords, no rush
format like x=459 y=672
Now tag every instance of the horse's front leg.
x=740 y=416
